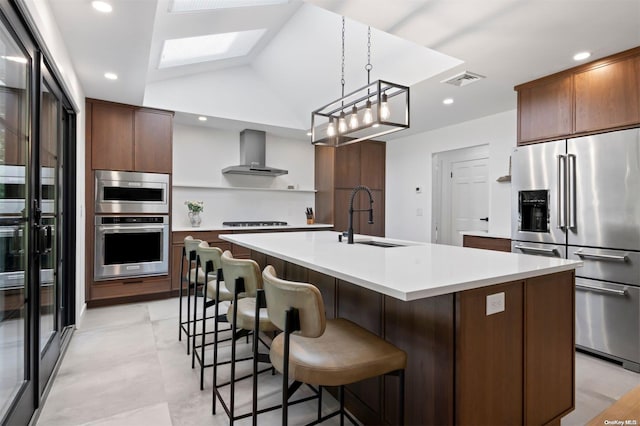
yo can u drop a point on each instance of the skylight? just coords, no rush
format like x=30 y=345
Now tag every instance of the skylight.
x=213 y=47
x=194 y=5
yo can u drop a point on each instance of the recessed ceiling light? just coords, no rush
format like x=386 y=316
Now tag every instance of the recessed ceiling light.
x=193 y=5
x=212 y=47
x=18 y=59
x=110 y=76
x=202 y=118
x=448 y=101
x=580 y=56
x=101 y=6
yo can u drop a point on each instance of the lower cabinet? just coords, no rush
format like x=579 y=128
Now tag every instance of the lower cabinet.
x=487 y=243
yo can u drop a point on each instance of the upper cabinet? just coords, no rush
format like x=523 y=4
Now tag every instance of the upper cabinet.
x=338 y=171
x=129 y=138
x=545 y=110
x=608 y=96
x=598 y=96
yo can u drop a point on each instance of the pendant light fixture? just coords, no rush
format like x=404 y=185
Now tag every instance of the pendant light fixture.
x=377 y=109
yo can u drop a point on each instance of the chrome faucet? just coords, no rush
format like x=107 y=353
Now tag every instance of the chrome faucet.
x=351 y=210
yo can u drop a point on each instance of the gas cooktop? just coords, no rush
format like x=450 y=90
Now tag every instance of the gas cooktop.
x=255 y=223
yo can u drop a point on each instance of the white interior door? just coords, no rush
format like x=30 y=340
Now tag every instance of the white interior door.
x=460 y=193
x=469 y=197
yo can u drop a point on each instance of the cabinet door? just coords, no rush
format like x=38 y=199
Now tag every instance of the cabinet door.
x=489 y=358
x=545 y=110
x=341 y=213
x=347 y=164
x=372 y=164
x=176 y=259
x=111 y=137
x=607 y=96
x=153 y=141
x=549 y=347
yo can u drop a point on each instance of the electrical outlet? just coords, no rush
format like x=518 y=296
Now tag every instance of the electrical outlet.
x=495 y=303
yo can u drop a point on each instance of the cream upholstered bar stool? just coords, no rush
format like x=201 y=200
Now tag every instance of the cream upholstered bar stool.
x=322 y=352
x=215 y=292
x=242 y=278
x=194 y=277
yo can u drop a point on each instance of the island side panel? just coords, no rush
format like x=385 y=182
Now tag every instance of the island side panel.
x=489 y=356
x=424 y=329
x=363 y=307
x=549 y=347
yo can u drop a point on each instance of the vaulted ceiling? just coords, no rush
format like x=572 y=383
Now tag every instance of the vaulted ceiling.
x=295 y=67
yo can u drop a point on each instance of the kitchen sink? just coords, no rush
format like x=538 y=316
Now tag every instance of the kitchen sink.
x=380 y=244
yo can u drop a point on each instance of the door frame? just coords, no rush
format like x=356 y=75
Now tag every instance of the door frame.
x=441 y=184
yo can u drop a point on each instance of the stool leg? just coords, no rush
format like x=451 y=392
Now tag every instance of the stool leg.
x=195 y=319
x=239 y=285
x=401 y=397
x=204 y=333
x=256 y=330
x=341 y=396
x=180 y=295
x=319 y=402
x=189 y=308
x=215 y=348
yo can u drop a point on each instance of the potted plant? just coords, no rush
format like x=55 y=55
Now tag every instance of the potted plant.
x=195 y=207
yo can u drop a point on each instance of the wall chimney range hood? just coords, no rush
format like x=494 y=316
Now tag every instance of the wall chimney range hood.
x=252 y=156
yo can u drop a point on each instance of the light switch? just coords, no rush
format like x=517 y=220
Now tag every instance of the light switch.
x=495 y=303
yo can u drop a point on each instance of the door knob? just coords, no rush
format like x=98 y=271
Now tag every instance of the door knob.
x=486 y=219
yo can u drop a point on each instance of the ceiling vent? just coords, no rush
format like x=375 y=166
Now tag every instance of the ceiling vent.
x=463 y=79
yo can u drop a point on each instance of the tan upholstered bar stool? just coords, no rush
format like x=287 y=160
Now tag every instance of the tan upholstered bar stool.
x=322 y=352
x=193 y=277
x=242 y=278
x=208 y=259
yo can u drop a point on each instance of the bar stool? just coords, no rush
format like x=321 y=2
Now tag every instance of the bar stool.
x=322 y=352
x=242 y=279
x=194 y=277
x=208 y=258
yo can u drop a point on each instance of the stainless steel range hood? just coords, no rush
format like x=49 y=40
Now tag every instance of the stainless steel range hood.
x=252 y=155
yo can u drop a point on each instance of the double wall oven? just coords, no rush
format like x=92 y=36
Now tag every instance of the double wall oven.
x=131 y=225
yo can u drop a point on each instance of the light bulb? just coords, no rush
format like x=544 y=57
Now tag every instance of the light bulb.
x=331 y=130
x=368 y=115
x=342 y=123
x=385 y=113
x=353 y=120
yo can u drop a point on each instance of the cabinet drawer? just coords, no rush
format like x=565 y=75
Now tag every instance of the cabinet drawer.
x=621 y=266
x=209 y=236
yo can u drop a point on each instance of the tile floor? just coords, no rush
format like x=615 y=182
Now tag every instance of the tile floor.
x=125 y=366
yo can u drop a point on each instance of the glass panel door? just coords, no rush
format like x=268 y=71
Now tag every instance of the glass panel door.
x=14 y=172
x=50 y=168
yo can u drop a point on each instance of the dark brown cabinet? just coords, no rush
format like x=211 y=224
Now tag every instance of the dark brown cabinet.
x=338 y=171
x=545 y=110
x=594 y=97
x=607 y=96
x=111 y=129
x=153 y=141
x=125 y=138
x=130 y=138
x=487 y=243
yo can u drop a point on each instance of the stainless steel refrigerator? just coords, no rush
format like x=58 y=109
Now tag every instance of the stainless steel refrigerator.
x=580 y=199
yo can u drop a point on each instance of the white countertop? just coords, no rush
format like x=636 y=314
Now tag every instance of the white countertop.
x=220 y=227
x=406 y=273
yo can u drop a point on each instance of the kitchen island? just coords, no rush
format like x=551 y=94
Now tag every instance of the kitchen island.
x=489 y=335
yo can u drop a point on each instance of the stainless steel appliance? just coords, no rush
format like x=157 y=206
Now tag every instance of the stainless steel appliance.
x=131 y=246
x=11 y=262
x=131 y=192
x=13 y=182
x=579 y=199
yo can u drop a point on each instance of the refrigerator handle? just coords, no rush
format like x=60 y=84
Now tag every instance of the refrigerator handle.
x=562 y=195
x=571 y=190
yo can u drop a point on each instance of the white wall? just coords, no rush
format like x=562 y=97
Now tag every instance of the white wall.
x=409 y=162
x=50 y=34
x=199 y=155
